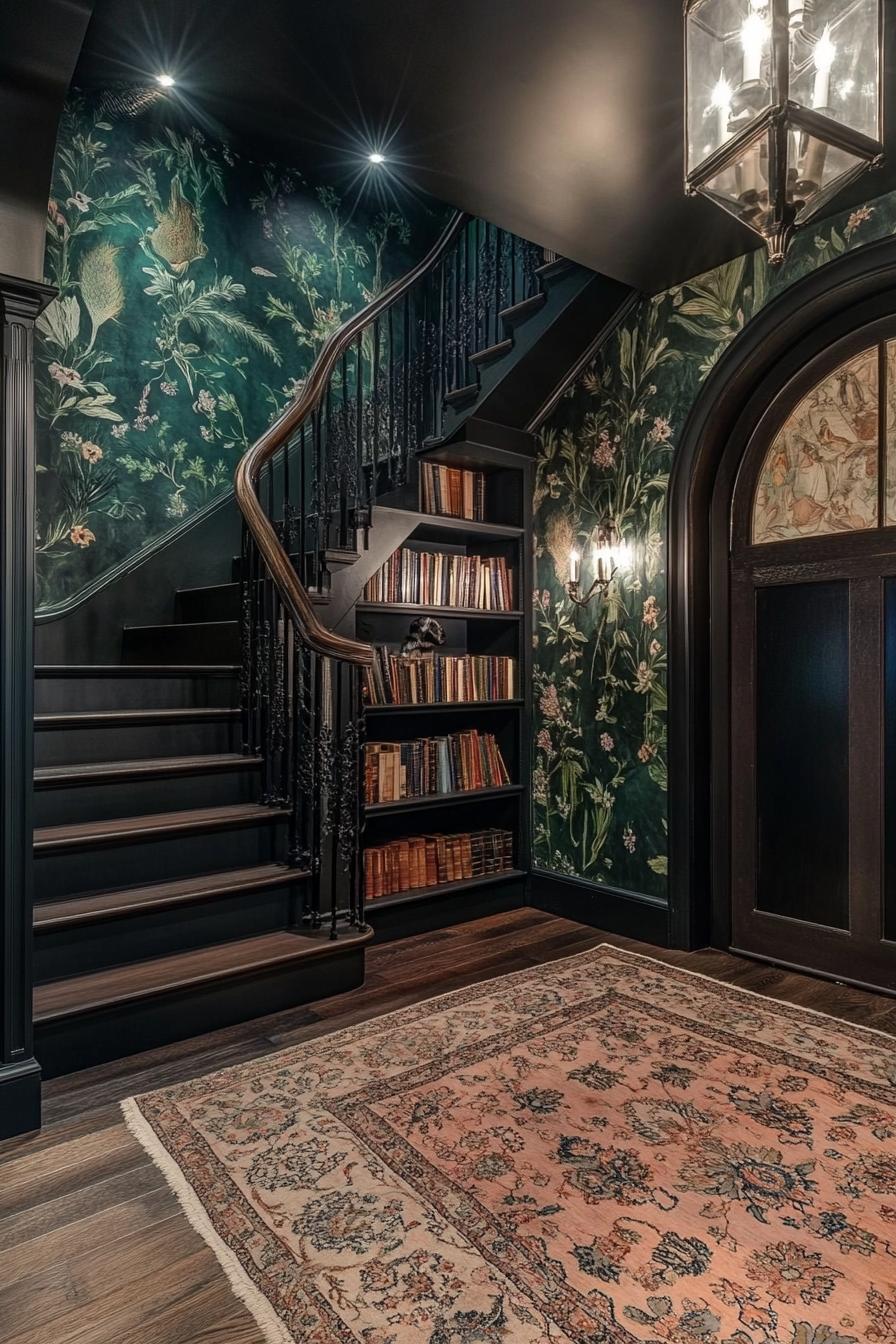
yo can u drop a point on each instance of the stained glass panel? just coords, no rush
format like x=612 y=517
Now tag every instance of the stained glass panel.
x=820 y=473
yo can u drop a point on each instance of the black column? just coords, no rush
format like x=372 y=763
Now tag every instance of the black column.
x=20 y=303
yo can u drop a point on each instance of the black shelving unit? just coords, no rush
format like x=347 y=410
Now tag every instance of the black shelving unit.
x=505 y=633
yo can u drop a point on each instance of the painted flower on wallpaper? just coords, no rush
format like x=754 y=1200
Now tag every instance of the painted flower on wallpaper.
x=599 y=809
x=163 y=356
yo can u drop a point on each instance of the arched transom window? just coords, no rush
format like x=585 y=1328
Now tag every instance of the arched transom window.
x=828 y=468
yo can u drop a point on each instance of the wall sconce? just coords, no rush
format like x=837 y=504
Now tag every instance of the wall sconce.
x=783 y=105
x=609 y=555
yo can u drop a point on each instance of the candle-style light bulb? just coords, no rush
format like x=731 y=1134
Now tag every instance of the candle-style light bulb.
x=599 y=561
x=753 y=37
x=575 y=565
x=823 y=56
x=720 y=103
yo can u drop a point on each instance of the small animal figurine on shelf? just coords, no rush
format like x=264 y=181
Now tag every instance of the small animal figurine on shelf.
x=424 y=636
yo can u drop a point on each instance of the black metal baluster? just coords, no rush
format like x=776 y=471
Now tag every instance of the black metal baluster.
x=457 y=336
x=404 y=447
x=363 y=491
x=335 y=801
x=512 y=269
x=390 y=369
x=317 y=499
x=245 y=643
x=375 y=411
x=423 y=362
x=442 y=318
x=342 y=475
x=317 y=727
x=499 y=235
x=357 y=876
x=327 y=482
x=300 y=531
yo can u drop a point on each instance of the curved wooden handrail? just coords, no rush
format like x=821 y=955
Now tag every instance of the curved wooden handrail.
x=293 y=593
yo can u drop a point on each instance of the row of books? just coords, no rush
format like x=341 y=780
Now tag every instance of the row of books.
x=443 y=579
x=432 y=765
x=439 y=679
x=431 y=860
x=453 y=492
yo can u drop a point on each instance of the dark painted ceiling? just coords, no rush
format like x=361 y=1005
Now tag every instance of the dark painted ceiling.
x=559 y=119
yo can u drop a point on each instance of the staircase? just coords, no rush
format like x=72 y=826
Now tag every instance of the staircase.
x=197 y=805
x=164 y=906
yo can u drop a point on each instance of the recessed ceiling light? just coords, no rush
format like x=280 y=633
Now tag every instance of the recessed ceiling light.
x=377 y=157
x=166 y=81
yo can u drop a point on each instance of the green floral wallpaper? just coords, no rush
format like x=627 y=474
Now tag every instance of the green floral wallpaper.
x=599 y=783
x=196 y=287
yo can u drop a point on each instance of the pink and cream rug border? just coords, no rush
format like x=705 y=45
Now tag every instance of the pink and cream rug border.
x=796 y=1274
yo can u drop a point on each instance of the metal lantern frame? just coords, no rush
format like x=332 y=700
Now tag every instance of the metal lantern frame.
x=774 y=125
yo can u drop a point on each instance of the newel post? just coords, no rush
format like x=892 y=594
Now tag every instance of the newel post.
x=21 y=301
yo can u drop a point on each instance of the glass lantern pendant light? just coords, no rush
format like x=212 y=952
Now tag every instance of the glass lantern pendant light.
x=783 y=106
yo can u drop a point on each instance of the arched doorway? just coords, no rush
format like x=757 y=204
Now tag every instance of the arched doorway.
x=812 y=710
x=776 y=348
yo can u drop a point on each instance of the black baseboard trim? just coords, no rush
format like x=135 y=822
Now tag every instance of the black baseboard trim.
x=626 y=913
x=19 y=1099
x=441 y=909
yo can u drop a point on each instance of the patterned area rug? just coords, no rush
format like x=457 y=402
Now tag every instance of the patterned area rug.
x=604 y=1150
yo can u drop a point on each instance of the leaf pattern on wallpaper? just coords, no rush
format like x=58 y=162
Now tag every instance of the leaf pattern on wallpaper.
x=195 y=289
x=600 y=755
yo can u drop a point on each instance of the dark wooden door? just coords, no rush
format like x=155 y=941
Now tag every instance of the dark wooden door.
x=813 y=679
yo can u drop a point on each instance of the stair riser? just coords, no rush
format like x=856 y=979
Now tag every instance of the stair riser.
x=221 y=603
x=77 y=949
x=162 y=859
x=72 y=695
x=68 y=746
x=134 y=797
x=65 y=1045
x=216 y=642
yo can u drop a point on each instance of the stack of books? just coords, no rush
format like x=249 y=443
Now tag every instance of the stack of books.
x=453 y=492
x=443 y=579
x=431 y=860
x=432 y=765
x=439 y=679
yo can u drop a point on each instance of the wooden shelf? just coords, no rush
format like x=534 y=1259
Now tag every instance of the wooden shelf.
x=437 y=523
x=442 y=889
x=438 y=706
x=426 y=609
x=433 y=800
x=440 y=522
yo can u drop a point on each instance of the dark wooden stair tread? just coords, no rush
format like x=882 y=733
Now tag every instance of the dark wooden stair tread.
x=130 y=718
x=86 y=834
x=152 y=767
x=458 y=395
x=161 y=895
x=161 y=975
x=492 y=352
x=520 y=312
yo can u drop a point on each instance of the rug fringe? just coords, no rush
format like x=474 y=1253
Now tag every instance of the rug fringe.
x=255 y=1302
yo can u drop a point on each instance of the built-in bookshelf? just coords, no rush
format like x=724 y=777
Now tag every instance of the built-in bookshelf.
x=475 y=686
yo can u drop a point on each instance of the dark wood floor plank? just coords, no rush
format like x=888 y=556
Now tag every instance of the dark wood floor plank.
x=68 y=1209
x=102 y=1248
x=91 y=1234
x=83 y=1278
x=67 y=1167
x=125 y=1310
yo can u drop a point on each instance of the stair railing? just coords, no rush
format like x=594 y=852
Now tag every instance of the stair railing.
x=380 y=388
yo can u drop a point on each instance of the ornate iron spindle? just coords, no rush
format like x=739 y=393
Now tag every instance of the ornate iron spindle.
x=442 y=319
x=342 y=446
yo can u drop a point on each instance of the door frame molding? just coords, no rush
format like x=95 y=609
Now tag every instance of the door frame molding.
x=795 y=327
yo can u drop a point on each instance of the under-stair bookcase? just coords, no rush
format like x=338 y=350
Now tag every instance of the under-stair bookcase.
x=505 y=533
